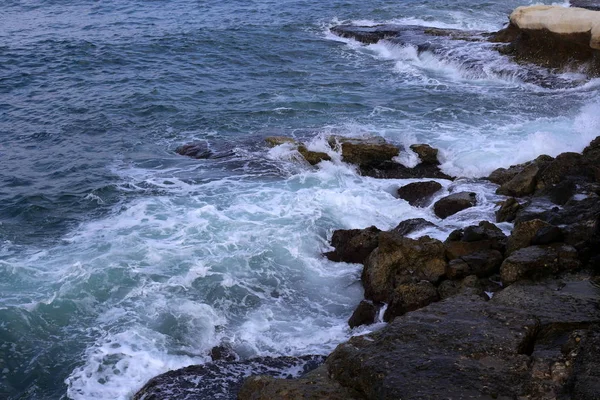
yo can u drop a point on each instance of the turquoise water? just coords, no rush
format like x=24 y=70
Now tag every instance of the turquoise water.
x=120 y=260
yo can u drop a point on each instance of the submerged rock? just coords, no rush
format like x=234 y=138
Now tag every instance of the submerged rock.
x=418 y=193
x=221 y=379
x=273 y=141
x=454 y=203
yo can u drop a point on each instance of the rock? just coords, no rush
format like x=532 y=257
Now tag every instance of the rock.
x=411 y=225
x=501 y=176
x=457 y=269
x=368 y=152
x=220 y=379
x=535 y=262
x=454 y=203
x=585 y=378
x=399 y=260
x=522 y=184
x=554 y=37
x=418 y=193
x=462 y=347
x=426 y=153
x=483 y=263
x=587 y=4
x=410 y=297
x=508 y=210
x=353 y=245
x=367 y=35
x=394 y=170
x=560 y=192
x=273 y=141
x=523 y=234
x=364 y=314
x=474 y=238
x=195 y=150
x=223 y=352
x=402 y=34
x=547 y=235
x=315 y=385
x=313 y=157
x=563 y=166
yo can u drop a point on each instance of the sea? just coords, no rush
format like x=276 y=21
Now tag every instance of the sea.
x=121 y=260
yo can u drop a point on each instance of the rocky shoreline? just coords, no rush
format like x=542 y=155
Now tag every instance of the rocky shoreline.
x=479 y=315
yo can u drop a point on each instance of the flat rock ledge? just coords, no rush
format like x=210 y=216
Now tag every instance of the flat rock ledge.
x=554 y=37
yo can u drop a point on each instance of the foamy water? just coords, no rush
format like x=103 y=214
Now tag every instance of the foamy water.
x=121 y=260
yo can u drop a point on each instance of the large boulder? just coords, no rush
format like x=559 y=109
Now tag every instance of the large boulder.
x=523 y=183
x=399 y=260
x=523 y=234
x=418 y=193
x=454 y=203
x=364 y=152
x=535 y=262
x=484 y=236
x=353 y=245
x=394 y=170
x=508 y=210
x=554 y=37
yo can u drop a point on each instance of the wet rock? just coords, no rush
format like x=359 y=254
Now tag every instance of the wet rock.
x=563 y=166
x=462 y=347
x=223 y=352
x=394 y=170
x=474 y=238
x=523 y=234
x=315 y=385
x=365 y=152
x=483 y=263
x=454 y=203
x=220 y=379
x=411 y=225
x=522 y=184
x=195 y=150
x=313 y=157
x=367 y=35
x=584 y=381
x=457 y=269
x=273 y=141
x=364 y=314
x=554 y=37
x=508 y=210
x=501 y=176
x=561 y=192
x=399 y=260
x=535 y=262
x=587 y=4
x=353 y=245
x=426 y=153
x=418 y=193
x=547 y=235
x=410 y=297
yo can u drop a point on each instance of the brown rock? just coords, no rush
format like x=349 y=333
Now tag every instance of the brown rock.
x=418 y=193
x=313 y=157
x=367 y=152
x=523 y=234
x=522 y=184
x=273 y=141
x=535 y=262
x=353 y=245
x=426 y=153
x=364 y=314
x=410 y=297
x=454 y=203
x=400 y=260
x=474 y=238
x=508 y=210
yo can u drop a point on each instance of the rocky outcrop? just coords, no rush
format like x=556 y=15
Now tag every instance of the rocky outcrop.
x=353 y=245
x=535 y=262
x=400 y=260
x=418 y=193
x=202 y=150
x=484 y=236
x=221 y=379
x=426 y=153
x=454 y=203
x=364 y=152
x=554 y=36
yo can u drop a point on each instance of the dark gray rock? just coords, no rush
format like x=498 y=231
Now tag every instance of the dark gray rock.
x=394 y=170
x=364 y=314
x=508 y=210
x=418 y=193
x=454 y=203
x=410 y=297
x=474 y=238
x=412 y=225
x=547 y=235
x=536 y=262
x=588 y=4
x=220 y=379
x=353 y=245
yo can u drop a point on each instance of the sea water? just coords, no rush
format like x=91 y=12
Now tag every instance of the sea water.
x=120 y=260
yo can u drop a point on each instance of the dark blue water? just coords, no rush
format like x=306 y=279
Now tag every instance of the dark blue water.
x=120 y=259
